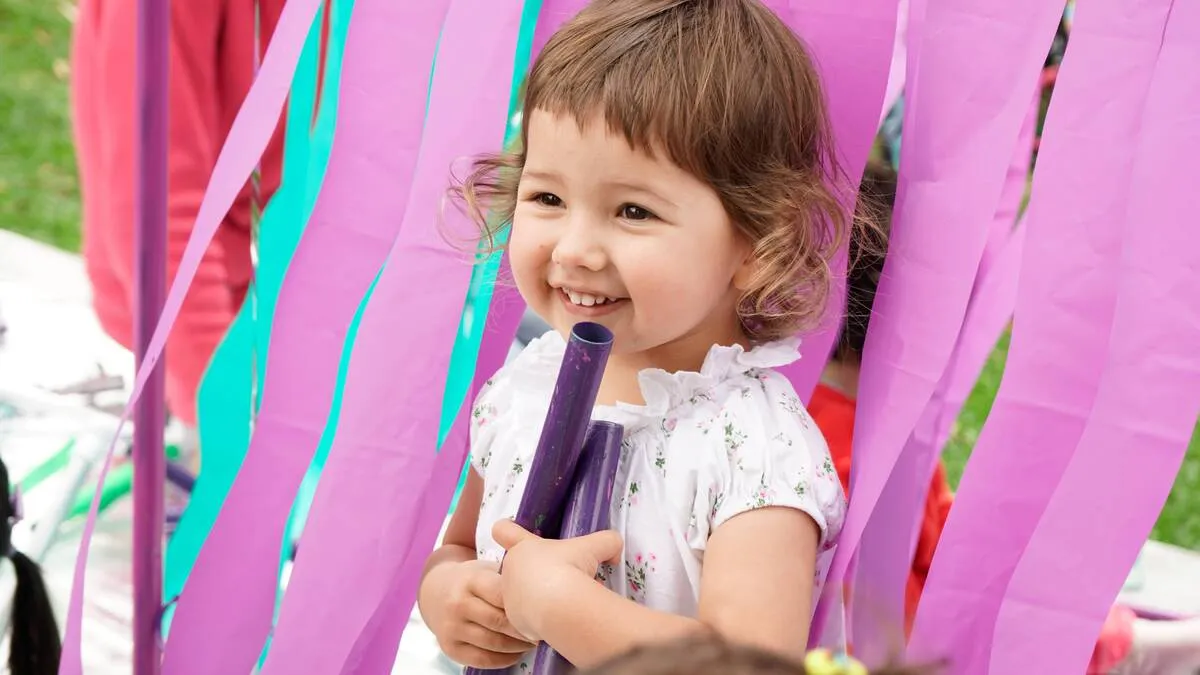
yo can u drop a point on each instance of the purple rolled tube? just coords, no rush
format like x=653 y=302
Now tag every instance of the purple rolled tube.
x=588 y=511
x=561 y=443
x=553 y=467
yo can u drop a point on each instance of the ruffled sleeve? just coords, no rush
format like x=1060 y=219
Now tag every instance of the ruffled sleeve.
x=485 y=413
x=770 y=454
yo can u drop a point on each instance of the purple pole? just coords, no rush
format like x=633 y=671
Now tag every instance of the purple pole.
x=561 y=442
x=558 y=450
x=150 y=241
x=587 y=511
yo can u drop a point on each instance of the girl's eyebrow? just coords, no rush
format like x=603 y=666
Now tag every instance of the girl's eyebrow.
x=637 y=187
x=540 y=175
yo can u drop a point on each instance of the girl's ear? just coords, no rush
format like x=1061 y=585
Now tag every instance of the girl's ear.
x=747 y=269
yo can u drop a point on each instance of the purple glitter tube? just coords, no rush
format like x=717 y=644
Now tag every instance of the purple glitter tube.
x=561 y=443
x=588 y=511
x=558 y=450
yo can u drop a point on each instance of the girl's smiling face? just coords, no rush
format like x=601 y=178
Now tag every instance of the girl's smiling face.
x=608 y=233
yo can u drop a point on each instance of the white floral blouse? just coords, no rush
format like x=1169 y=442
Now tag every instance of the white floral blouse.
x=704 y=448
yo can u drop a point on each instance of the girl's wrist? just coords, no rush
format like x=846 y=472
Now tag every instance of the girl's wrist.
x=558 y=595
x=433 y=589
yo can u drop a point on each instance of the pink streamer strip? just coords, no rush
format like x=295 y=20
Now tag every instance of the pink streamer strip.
x=885 y=559
x=507 y=306
x=897 y=71
x=1065 y=306
x=991 y=309
x=384 y=491
x=229 y=599
x=1145 y=410
x=504 y=315
x=1015 y=184
x=248 y=137
x=851 y=43
x=971 y=73
x=995 y=292
x=393 y=610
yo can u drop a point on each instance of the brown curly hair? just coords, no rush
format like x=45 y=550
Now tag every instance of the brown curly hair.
x=709 y=654
x=731 y=95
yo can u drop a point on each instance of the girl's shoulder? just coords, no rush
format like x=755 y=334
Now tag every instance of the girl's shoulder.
x=520 y=389
x=734 y=383
x=532 y=372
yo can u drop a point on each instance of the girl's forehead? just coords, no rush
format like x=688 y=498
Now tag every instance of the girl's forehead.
x=559 y=146
x=549 y=134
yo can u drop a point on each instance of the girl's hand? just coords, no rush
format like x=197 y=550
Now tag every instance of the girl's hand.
x=539 y=571
x=468 y=618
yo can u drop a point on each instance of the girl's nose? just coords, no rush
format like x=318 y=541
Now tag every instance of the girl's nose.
x=580 y=246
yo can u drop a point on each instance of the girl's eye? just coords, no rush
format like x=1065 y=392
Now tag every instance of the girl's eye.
x=547 y=199
x=635 y=212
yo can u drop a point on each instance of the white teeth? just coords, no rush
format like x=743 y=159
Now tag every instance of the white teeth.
x=586 y=299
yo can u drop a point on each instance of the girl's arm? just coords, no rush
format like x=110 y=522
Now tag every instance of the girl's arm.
x=458 y=544
x=756 y=588
x=757 y=583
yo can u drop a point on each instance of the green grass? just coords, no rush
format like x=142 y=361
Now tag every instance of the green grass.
x=39 y=191
x=39 y=198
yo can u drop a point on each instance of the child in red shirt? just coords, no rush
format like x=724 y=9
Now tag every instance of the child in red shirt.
x=833 y=401
x=833 y=407
x=212 y=52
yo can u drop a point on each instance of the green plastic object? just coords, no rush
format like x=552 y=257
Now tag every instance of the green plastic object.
x=49 y=466
x=117 y=484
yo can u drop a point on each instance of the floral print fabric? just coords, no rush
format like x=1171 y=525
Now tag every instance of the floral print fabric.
x=704 y=448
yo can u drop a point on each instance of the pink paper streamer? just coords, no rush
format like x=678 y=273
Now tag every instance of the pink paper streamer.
x=248 y=137
x=371 y=511
x=375 y=649
x=1015 y=183
x=229 y=599
x=897 y=71
x=970 y=75
x=991 y=309
x=995 y=292
x=851 y=43
x=507 y=305
x=885 y=559
x=1065 y=306
x=503 y=317
x=1145 y=410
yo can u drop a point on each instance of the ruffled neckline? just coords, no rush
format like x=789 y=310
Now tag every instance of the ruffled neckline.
x=662 y=391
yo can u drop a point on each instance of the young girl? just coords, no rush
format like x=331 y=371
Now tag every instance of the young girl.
x=675 y=184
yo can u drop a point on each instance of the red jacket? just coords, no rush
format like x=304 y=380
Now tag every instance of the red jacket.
x=212 y=67
x=834 y=415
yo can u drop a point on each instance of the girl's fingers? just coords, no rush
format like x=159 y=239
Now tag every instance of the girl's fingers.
x=487 y=587
x=493 y=619
x=474 y=656
x=489 y=640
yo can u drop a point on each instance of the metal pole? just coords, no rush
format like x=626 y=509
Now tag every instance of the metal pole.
x=149 y=465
